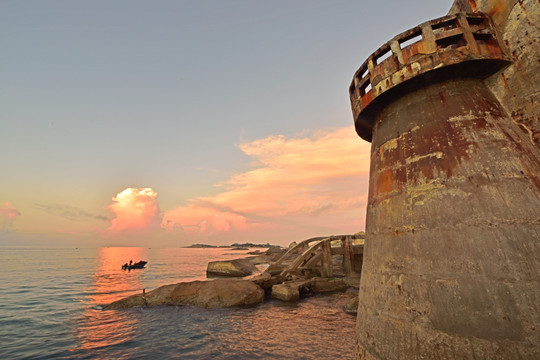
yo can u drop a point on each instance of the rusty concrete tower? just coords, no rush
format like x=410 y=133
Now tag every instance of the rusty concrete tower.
x=452 y=256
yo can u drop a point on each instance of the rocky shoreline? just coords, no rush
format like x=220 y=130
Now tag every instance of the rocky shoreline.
x=242 y=282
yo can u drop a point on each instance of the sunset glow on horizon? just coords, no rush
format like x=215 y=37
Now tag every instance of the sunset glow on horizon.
x=171 y=123
x=300 y=184
x=300 y=187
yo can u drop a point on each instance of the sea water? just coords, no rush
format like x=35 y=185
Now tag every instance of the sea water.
x=51 y=308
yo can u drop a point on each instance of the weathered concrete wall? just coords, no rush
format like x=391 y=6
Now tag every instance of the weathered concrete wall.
x=452 y=254
x=516 y=87
x=452 y=257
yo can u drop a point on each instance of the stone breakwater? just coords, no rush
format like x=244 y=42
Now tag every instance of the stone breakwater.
x=204 y=294
x=252 y=288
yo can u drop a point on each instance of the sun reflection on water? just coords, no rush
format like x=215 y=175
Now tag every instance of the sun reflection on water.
x=110 y=281
x=104 y=329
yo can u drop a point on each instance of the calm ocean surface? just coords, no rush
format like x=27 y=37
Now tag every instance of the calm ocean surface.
x=50 y=309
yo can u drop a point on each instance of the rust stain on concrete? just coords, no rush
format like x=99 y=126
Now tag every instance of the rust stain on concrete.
x=454 y=194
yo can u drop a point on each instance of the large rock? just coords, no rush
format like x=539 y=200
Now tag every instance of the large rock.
x=260 y=259
x=285 y=292
x=275 y=269
x=232 y=268
x=266 y=281
x=275 y=252
x=351 y=307
x=291 y=290
x=206 y=294
x=322 y=285
x=294 y=290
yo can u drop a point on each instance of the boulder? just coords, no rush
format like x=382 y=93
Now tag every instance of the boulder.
x=321 y=285
x=295 y=289
x=275 y=252
x=126 y=303
x=284 y=292
x=219 y=293
x=231 y=268
x=256 y=252
x=260 y=259
x=351 y=307
x=275 y=269
x=353 y=281
x=266 y=281
x=206 y=294
x=291 y=290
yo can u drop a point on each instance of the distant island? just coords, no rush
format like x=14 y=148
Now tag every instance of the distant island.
x=235 y=245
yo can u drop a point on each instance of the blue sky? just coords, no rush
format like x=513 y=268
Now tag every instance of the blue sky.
x=103 y=96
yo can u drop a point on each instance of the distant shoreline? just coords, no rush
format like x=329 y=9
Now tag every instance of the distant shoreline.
x=244 y=245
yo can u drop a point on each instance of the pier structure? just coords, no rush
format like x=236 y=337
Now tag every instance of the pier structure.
x=317 y=265
x=319 y=257
x=452 y=252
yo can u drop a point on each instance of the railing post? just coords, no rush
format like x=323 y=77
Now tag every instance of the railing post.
x=396 y=49
x=429 y=45
x=347 y=255
x=467 y=33
x=327 y=268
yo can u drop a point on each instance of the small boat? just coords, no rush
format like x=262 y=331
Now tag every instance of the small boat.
x=137 y=265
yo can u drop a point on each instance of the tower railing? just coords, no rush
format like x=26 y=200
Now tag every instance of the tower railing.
x=420 y=54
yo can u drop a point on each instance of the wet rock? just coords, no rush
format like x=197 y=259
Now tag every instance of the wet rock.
x=275 y=252
x=260 y=259
x=205 y=294
x=232 y=268
x=295 y=289
x=321 y=285
x=291 y=290
x=351 y=307
x=275 y=269
x=219 y=293
x=256 y=252
x=266 y=281
x=353 y=281
x=285 y=292
x=126 y=303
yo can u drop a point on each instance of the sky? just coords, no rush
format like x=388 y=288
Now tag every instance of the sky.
x=167 y=123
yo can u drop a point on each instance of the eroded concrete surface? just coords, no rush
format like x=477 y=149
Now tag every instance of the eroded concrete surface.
x=452 y=253
x=516 y=87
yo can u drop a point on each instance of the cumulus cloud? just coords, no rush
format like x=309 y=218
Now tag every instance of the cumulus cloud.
x=316 y=182
x=135 y=208
x=8 y=214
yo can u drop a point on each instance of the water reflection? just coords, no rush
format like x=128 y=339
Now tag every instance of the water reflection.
x=174 y=265
x=279 y=330
x=110 y=281
x=51 y=311
x=98 y=332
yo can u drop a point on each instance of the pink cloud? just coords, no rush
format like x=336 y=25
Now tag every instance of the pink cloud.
x=135 y=209
x=304 y=185
x=8 y=211
x=195 y=219
x=7 y=215
x=300 y=175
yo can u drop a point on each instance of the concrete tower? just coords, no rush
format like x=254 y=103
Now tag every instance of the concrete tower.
x=452 y=255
